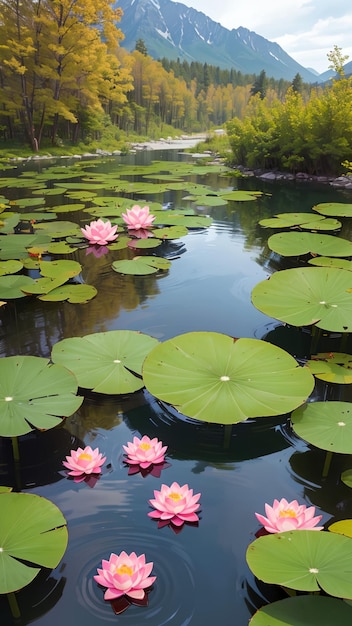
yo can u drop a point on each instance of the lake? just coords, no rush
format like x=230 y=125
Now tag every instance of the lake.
x=202 y=574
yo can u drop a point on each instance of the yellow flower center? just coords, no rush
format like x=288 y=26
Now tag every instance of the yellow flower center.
x=145 y=446
x=287 y=513
x=85 y=456
x=124 y=569
x=175 y=496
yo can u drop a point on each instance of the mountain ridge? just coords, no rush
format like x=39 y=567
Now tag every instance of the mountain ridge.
x=172 y=30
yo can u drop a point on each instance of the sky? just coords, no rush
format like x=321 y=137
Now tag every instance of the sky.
x=306 y=29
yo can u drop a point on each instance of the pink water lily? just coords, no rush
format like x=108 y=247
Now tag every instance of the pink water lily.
x=145 y=451
x=84 y=462
x=175 y=505
x=99 y=232
x=284 y=515
x=125 y=575
x=138 y=217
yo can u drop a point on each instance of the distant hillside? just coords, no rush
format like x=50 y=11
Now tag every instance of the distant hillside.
x=173 y=30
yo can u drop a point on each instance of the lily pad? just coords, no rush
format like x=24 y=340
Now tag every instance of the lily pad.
x=67 y=208
x=324 y=261
x=307 y=221
x=141 y=265
x=170 y=232
x=326 y=425
x=15 y=246
x=336 y=209
x=308 y=295
x=55 y=274
x=333 y=367
x=306 y=610
x=23 y=202
x=34 y=394
x=208 y=200
x=108 y=362
x=298 y=243
x=33 y=534
x=75 y=294
x=305 y=560
x=10 y=267
x=342 y=527
x=144 y=244
x=11 y=286
x=61 y=247
x=214 y=378
x=346 y=477
x=172 y=218
x=241 y=196
x=59 y=229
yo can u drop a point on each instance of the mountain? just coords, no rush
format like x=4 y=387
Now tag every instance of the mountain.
x=173 y=30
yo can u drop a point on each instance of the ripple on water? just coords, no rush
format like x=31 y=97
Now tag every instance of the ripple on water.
x=171 y=599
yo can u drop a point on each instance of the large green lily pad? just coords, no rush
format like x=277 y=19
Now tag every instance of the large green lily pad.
x=306 y=610
x=141 y=265
x=34 y=394
x=296 y=244
x=74 y=294
x=326 y=425
x=108 y=362
x=346 y=478
x=59 y=229
x=333 y=367
x=305 y=560
x=214 y=378
x=241 y=196
x=14 y=286
x=33 y=534
x=306 y=221
x=10 y=267
x=308 y=295
x=55 y=274
x=336 y=209
x=172 y=218
x=15 y=246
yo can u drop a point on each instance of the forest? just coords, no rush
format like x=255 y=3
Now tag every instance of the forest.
x=66 y=78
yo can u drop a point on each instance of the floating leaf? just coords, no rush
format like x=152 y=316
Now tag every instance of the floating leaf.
x=307 y=295
x=109 y=362
x=333 y=367
x=61 y=247
x=144 y=244
x=170 y=232
x=15 y=246
x=241 y=196
x=338 y=209
x=59 y=229
x=11 y=286
x=34 y=394
x=173 y=218
x=324 y=261
x=75 y=294
x=305 y=560
x=8 y=222
x=296 y=243
x=66 y=208
x=306 y=610
x=23 y=202
x=346 y=478
x=38 y=216
x=209 y=200
x=55 y=273
x=33 y=534
x=141 y=265
x=10 y=267
x=343 y=527
x=214 y=378
x=307 y=221
x=326 y=425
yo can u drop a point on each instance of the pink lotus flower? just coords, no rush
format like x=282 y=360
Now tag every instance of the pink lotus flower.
x=84 y=462
x=99 y=232
x=285 y=515
x=145 y=451
x=138 y=217
x=175 y=505
x=125 y=575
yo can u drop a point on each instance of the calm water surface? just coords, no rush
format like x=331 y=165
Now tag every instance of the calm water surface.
x=202 y=576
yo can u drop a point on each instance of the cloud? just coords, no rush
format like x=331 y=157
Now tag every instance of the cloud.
x=306 y=29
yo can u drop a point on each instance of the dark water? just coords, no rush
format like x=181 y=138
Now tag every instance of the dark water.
x=202 y=576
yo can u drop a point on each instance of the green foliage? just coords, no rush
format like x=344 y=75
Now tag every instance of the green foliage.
x=311 y=134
